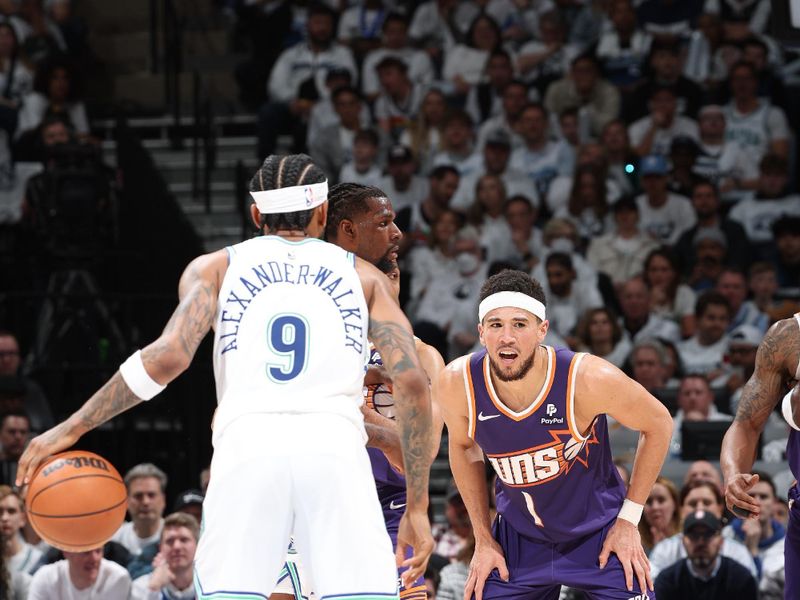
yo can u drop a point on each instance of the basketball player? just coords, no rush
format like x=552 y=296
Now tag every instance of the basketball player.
x=539 y=414
x=290 y=318
x=361 y=220
x=777 y=368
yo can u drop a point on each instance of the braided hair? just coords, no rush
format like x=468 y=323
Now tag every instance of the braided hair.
x=286 y=171
x=346 y=201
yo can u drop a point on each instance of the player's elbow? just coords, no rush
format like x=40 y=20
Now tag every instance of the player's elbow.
x=165 y=359
x=661 y=423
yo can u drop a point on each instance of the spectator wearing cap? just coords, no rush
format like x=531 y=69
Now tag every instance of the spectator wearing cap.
x=732 y=283
x=787 y=241
x=596 y=100
x=742 y=346
x=705 y=574
x=638 y=323
x=297 y=78
x=191 y=503
x=653 y=133
x=623 y=50
x=495 y=157
x=703 y=353
x=665 y=62
x=540 y=158
x=172 y=577
x=710 y=256
x=416 y=220
x=425 y=133
x=546 y=59
x=754 y=123
x=455 y=148
x=621 y=253
x=761 y=534
x=485 y=99
x=401 y=183
x=364 y=168
x=771 y=201
x=515 y=98
x=400 y=98
x=662 y=214
x=396 y=44
x=721 y=161
x=707 y=206
x=334 y=145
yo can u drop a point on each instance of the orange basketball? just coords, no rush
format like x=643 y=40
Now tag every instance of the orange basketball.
x=76 y=501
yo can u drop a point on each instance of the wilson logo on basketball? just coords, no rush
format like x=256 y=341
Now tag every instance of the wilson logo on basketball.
x=78 y=462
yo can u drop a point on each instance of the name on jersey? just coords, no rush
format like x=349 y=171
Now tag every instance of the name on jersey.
x=272 y=272
x=533 y=466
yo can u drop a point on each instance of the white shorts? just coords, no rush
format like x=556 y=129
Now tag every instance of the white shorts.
x=294 y=579
x=274 y=474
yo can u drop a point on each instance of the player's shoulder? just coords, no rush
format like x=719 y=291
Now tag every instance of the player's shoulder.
x=781 y=343
x=453 y=372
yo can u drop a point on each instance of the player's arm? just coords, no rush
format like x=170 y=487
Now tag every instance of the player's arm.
x=466 y=463
x=759 y=397
x=603 y=388
x=162 y=361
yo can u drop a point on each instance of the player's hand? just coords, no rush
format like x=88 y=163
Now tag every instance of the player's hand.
x=737 y=498
x=414 y=533
x=623 y=540
x=488 y=556
x=52 y=441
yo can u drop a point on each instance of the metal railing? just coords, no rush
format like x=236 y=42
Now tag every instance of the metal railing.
x=204 y=146
x=166 y=57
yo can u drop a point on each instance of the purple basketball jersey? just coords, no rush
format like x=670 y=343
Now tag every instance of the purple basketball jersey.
x=553 y=484
x=793 y=445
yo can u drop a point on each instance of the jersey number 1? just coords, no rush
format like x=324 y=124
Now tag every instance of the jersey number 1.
x=287 y=338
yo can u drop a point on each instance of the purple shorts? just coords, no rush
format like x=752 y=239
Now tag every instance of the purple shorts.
x=537 y=570
x=393 y=509
x=791 y=548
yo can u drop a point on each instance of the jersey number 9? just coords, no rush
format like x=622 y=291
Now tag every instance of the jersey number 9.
x=287 y=338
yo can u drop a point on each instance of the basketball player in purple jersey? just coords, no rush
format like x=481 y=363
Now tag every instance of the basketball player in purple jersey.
x=361 y=220
x=777 y=369
x=539 y=416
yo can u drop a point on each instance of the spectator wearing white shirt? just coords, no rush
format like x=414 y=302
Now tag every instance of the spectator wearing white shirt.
x=662 y=214
x=638 y=323
x=487 y=216
x=722 y=162
x=18 y=555
x=79 y=576
x=653 y=134
x=546 y=59
x=424 y=135
x=431 y=27
x=587 y=206
x=515 y=98
x=416 y=220
x=457 y=144
x=599 y=333
x=401 y=183
x=485 y=99
x=704 y=353
x=622 y=51
x=521 y=214
x=567 y=298
x=334 y=146
x=360 y=26
x=172 y=576
x=465 y=64
x=669 y=297
x=695 y=403
x=753 y=122
x=363 y=168
x=540 y=158
x=429 y=260
x=297 y=79
x=732 y=283
x=395 y=43
x=400 y=99
x=146 y=484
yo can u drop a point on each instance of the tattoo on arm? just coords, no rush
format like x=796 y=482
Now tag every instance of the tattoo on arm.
x=194 y=316
x=396 y=345
x=113 y=398
x=763 y=391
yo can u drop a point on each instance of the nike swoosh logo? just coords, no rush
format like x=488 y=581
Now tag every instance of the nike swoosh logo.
x=393 y=506
x=482 y=417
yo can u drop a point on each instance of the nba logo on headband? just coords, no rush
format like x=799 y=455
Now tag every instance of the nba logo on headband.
x=309 y=196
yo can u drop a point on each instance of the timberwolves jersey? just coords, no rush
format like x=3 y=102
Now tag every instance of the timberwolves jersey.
x=793 y=446
x=290 y=333
x=553 y=483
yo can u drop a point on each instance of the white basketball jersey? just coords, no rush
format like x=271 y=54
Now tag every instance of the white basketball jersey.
x=290 y=331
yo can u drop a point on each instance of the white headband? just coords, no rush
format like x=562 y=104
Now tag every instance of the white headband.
x=510 y=299
x=291 y=199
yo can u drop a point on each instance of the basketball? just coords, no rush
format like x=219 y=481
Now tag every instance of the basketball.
x=382 y=400
x=76 y=501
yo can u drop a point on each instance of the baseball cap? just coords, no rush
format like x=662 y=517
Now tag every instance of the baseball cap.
x=187 y=498
x=703 y=518
x=745 y=335
x=400 y=153
x=499 y=137
x=710 y=234
x=654 y=164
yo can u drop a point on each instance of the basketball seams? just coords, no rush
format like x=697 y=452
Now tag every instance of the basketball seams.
x=79 y=515
x=60 y=481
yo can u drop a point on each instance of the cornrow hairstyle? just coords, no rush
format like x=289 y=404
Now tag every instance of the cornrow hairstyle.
x=347 y=201
x=286 y=171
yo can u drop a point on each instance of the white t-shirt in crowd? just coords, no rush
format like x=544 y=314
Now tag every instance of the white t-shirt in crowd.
x=420 y=67
x=126 y=536
x=141 y=591
x=413 y=196
x=757 y=216
x=371 y=176
x=683 y=126
x=24 y=560
x=699 y=359
x=52 y=582
x=754 y=131
x=667 y=222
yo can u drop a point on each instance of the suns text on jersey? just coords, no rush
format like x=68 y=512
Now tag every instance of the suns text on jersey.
x=272 y=273
x=534 y=466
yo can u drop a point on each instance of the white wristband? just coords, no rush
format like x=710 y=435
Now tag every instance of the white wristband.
x=786 y=408
x=631 y=511
x=135 y=376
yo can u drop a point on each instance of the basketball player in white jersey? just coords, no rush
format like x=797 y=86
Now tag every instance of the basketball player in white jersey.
x=290 y=318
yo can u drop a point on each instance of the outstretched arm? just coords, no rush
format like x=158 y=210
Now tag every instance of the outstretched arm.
x=164 y=359
x=760 y=395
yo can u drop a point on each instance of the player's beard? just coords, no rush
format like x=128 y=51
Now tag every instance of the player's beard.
x=385 y=264
x=523 y=369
